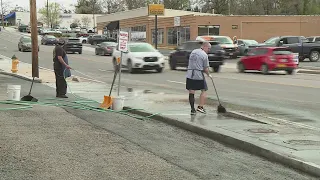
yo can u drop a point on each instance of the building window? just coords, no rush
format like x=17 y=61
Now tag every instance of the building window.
x=138 y=33
x=209 y=30
x=172 y=36
x=178 y=35
x=160 y=36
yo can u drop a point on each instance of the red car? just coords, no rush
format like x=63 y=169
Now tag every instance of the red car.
x=267 y=59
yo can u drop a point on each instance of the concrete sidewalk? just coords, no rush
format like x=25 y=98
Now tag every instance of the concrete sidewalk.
x=48 y=142
x=293 y=144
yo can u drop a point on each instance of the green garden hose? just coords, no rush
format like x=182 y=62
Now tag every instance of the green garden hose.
x=80 y=103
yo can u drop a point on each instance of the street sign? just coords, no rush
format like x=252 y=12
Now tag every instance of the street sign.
x=156 y=9
x=123 y=41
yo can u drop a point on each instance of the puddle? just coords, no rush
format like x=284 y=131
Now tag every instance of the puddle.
x=262 y=130
x=303 y=142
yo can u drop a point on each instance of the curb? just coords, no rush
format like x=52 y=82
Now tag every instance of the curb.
x=36 y=80
x=238 y=141
x=307 y=71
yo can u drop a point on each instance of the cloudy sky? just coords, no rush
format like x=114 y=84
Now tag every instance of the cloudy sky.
x=42 y=3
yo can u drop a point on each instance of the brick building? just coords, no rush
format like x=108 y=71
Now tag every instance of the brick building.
x=177 y=26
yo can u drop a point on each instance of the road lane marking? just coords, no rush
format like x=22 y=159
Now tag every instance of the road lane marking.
x=259 y=95
x=177 y=82
x=261 y=81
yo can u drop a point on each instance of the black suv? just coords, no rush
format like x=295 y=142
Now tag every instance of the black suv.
x=73 y=45
x=180 y=57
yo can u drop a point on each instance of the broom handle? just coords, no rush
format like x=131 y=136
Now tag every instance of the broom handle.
x=31 y=86
x=114 y=78
x=215 y=89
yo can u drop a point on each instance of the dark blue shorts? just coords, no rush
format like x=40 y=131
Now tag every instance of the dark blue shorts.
x=192 y=84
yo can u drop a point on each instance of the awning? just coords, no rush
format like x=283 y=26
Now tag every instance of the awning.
x=114 y=25
x=11 y=15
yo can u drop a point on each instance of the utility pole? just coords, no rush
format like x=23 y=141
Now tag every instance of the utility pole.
x=34 y=38
x=48 y=13
x=2 y=14
x=94 y=20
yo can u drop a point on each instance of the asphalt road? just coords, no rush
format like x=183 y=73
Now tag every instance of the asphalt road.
x=293 y=97
x=79 y=144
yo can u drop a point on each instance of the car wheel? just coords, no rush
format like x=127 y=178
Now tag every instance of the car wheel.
x=264 y=69
x=245 y=52
x=129 y=66
x=241 y=67
x=80 y=52
x=173 y=65
x=216 y=68
x=314 y=56
x=84 y=41
x=96 y=52
x=290 y=72
x=160 y=70
x=94 y=43
x=19 y=48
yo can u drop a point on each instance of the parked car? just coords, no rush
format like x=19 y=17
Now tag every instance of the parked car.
x=231 y=48
x=105 y=48
x=140 y=56
x=49 y=39
x=297 y=44
x=267 y=59
x=25 y=44
x=83 y=40
x=314 y=39
x=180 y=57
x=23 y=28
x=245 y=44
x=98 y=39
x=73 y=45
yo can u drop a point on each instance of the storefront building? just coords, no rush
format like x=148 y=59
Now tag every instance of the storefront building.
x=177 y=27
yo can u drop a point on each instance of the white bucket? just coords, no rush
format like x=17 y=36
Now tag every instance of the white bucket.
x=117 y=103
x=13 y=92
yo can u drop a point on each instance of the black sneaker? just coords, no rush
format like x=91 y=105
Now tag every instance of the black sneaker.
x=193 y=112
x=201 y=109
x=62 y=96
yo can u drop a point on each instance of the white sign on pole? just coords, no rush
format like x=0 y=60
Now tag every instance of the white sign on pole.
x=176 y=21
x=123 y=41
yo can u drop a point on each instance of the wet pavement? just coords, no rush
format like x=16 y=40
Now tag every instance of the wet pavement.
x=283 y=137
x=80 y=144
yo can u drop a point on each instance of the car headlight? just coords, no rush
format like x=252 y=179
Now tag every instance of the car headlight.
x=140 y=58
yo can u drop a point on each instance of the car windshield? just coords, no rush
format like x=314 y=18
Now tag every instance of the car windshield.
x=141 y=48
x=250 y=42
x=51 y=37
x=224 y=40
x=281 y=52
x=26 y=40
x=271 y=40
x=310 y=39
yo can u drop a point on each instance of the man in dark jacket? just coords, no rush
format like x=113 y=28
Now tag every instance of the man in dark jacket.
x=59 y=65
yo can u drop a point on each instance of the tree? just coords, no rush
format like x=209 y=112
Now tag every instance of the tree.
x=85 y=21
x=52 y=16
x=113 y=6
x=5 y=7
x=89 y=7
x=76 y=21
x=73 y=25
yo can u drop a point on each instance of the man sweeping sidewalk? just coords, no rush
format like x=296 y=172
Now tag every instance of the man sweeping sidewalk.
x=198 y=63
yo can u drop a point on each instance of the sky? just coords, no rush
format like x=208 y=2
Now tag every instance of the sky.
x=42 y=3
